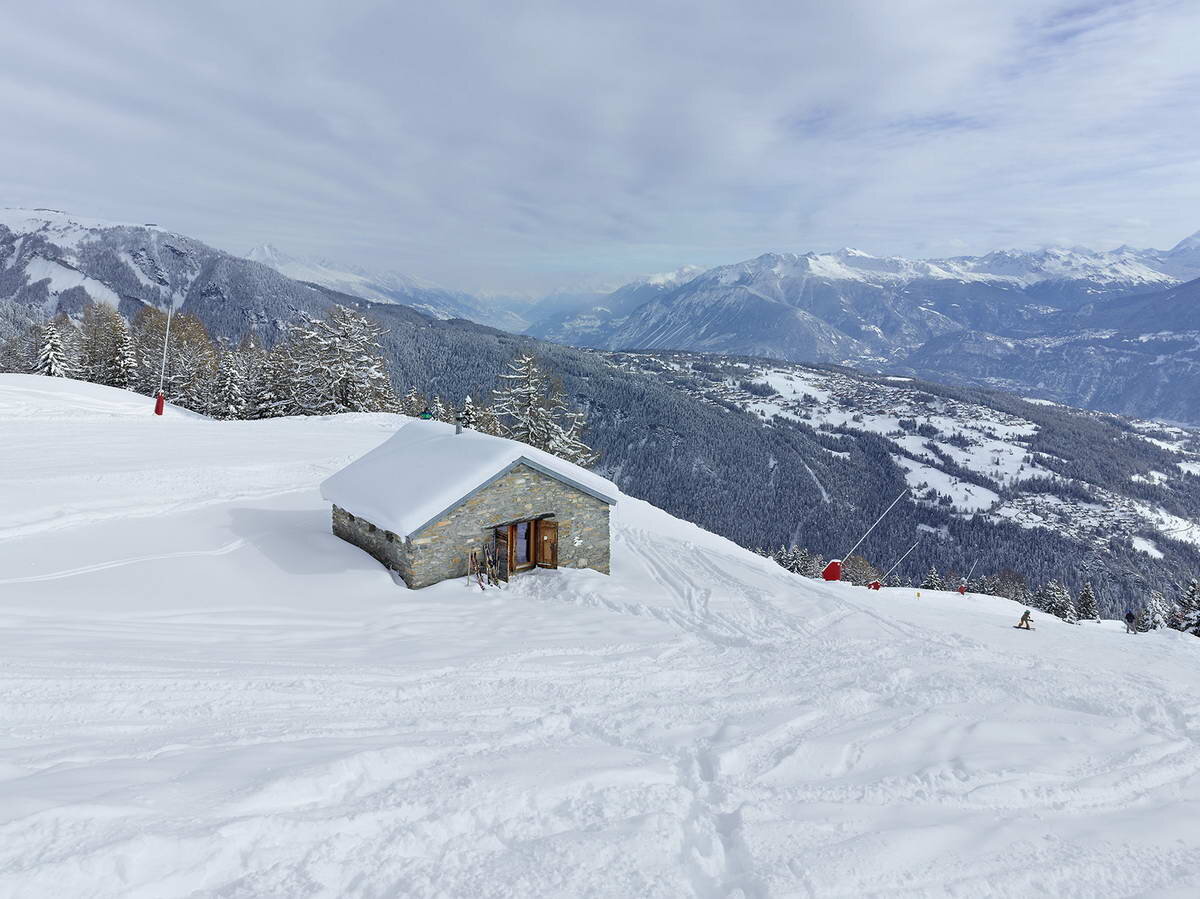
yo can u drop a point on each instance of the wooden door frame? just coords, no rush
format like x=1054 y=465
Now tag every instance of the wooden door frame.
x=535 y=529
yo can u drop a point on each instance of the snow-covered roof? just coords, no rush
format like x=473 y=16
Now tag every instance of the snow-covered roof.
x=425 y=469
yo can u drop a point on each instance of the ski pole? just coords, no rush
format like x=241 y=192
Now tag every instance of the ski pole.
x=901 y=559
x=872 y=527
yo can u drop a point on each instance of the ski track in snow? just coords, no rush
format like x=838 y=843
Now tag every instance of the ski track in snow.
x=225 y=700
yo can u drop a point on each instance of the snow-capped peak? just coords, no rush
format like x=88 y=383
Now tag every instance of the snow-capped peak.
x=270 y=255
x=1188 y=243
x=679 y=276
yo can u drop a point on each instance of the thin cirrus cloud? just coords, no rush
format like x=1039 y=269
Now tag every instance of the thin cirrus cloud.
x=520 y=146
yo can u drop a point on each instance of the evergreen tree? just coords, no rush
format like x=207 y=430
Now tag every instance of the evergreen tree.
x=566 y=441
x=933 y=580
x=522 y=403
x=439 y=409
x=337 y=364
x=272 y=398
x=229 y=393
x=488 y=423
x=1155 y=613
x=413 y=403
x=1088 y=611
x=121 y=367
x=532 y=410
x=1189 y=609
x=467 y=415
x=52 y=358
x=803 y=562
x=1057 y=602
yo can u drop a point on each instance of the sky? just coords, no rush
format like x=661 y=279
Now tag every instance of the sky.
x=528 y=147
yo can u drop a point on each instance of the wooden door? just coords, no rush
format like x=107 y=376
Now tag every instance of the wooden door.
x=500 y=547
x=547 y=543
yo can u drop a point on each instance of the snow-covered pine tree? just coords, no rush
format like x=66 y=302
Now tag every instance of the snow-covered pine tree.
x=19 y=353
x=1155 y=613
x=487 y=422
x=1058 y=602
x=816 y=566
x=534 y=411
x=1189 y=609
x=229 y=388
x=441 y=412
x=121 y=366
x=803 y=563
x=273 y=398
x=522 y=404
x=566 y=440
x=1086 y=606
x=413 y=403
x=467 y=415
x=52 y=359
x=197 y=383
x=338 y=365
x=933 y=580
x=782 y=557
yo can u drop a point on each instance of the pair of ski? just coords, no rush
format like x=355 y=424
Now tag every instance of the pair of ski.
x=485 y=574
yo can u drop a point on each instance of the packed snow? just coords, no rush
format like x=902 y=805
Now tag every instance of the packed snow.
x=205 y=693
x=1142 y=544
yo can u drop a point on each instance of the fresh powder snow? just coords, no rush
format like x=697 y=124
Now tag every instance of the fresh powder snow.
x=206 y=693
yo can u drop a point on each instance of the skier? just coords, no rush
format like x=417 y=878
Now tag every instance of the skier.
x=1024 y=622
x=1130 y=621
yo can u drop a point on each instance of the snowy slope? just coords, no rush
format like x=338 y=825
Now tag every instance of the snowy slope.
x=206 y=693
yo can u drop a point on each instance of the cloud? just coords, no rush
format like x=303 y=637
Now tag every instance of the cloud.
x=496 y=145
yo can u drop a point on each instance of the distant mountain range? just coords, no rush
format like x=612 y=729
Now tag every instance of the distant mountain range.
x=1114 y=331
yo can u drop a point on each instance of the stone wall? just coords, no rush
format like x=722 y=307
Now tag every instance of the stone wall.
x=441 y=549
x=390 y=549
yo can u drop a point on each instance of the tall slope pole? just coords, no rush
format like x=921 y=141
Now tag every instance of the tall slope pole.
x=901 y=559
x=160 y=400
x=903 y=493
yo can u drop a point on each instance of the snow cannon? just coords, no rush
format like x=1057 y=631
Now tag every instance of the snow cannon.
x=833 y=571
x=159 y=402
x=962 y=589
x=874 y=585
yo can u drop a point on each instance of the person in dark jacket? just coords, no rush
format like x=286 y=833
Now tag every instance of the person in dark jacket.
x=1130 y=622
x=1025 y=619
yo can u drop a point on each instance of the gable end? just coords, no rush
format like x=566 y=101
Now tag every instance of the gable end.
x=528 y=463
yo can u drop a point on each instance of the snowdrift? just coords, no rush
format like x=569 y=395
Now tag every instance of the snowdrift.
x=206 y=693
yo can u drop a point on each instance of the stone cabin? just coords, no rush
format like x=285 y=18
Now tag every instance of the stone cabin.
x=429 y=496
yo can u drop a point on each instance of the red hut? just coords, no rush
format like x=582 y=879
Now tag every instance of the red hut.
x=833 y=571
